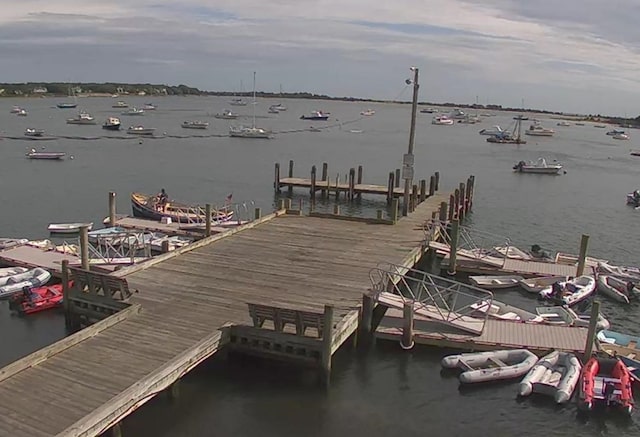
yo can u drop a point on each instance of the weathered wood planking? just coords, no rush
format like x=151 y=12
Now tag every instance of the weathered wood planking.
x=331 y=185
x=187 y=297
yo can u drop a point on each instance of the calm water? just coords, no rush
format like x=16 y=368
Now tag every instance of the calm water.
x=382 y=391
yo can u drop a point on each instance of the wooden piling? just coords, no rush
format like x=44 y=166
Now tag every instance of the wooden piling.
x=359 y=182
x=327 y=339
x=300 y=204
x=407 y=326
x=395 y=207
x=290 y=191
x=336 y=209
x=582 y=256
x=437 y=184
x=397 y=178
x=337 y=184
x=352 y=181
x=313 y=184
x=456 y=202
x=207 y=228
x=414 y=197
x=84 y=247
x=390 y=186
x=453 y=247
x=112 y=209
x=432 y=185
x=472 y=180
x=379 y=214
x=164 y=246
x=325 y=170
x=276 y=179
x=257 y=213
x=591 y=333
x=442 y=212
x=366 y=317
x=461 y=210
x=66 y=303
x=452 y=200
x=423 y=190
x=280 y=204
x=287 y=204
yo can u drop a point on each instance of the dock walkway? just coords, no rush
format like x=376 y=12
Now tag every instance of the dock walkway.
x=183 y=306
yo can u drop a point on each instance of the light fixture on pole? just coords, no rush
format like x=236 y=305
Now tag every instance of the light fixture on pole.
x=407 y=159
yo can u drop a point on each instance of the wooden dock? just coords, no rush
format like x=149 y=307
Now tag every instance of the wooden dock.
x=284 y=285
x=32 y=257
x=180 y=229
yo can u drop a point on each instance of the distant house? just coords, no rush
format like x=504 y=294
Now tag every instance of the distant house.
x=40 y=90
x=142 y=93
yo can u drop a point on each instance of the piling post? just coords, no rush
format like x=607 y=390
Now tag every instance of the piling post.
x=366 y=316
x=327 y=340
x=164 y=246
x=84 y=247
x=390 y=186
x=325 y=169
x=280 y=204
x=407 y=326
x=290 y=192
x=276 y=178
x=456 y=202
x=432 y=185
x=591 y=333
x=467 y=196
x=338 y=186
x=207 y=222
x=463 y=190
x=66 y=303
x=437 y=176
x=582 y=256
x=453 y=247
x=257 y=213
x=423 y=190
x=414 y=197
x=397 y=178
x=352 y=181
x=472 y=180
x=395 y=206
x=442 y=212
x=313 y=184
x=112 y=209
x=379 y=214
x=287 y=204
x=359 y=181
x=336 y=209
x=452 y=200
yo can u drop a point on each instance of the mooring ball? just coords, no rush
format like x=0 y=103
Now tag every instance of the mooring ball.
x=71 y=157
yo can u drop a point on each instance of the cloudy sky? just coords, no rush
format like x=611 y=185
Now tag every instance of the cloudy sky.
x=567 y=55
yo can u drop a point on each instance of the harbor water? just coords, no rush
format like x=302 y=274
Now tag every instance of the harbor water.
x=379 y=391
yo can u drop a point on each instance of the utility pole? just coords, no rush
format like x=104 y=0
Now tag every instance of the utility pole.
x=407 y=160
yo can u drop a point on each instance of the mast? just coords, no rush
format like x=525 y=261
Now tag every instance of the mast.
x=254 y=100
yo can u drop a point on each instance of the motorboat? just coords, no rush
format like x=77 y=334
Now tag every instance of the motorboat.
x=33 y=154
x=149 y=107
x=536 y=129
x=22 y=112
x=458 y=114
x=538 y=167
x=15 y=109
x=146 y=206
x=10 y=285
x=195 y=124
x=491 y=366
x=66 y=105
x=112 y=123
x=617 y=289
x=570 y=292
x=368 y=112
x=536 y=284
x=120 y=105
x=496 y=130
x=600 y=126
x=605 y=380
x=614 y=132
x=620 y=137
x=67 y=228
x=237 y=102
x=428 y=110
x=563 y=123
x=140 y=130
x=31 y=132
x=133 y=111
x=38 y=299
x=315 y=115
x=495 y=282
x=510 y=252
x=273 y=110
x=82 y=118
x=505 y=138
x=227 y=114
x=635 y=153
x=565 y=316
x=619 y=339
x=279 y=107
x=556 y=374
x=442 y=120
x=502 y=311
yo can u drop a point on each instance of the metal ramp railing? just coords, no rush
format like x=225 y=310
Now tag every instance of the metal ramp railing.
x=433 y=297
x=125 y=247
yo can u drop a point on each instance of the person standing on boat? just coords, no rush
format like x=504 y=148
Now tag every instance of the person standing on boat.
x=163 y=198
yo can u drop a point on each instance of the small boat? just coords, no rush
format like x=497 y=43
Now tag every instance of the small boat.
x=195 y=124
x=147 y=206
x=635 y=153
x=535 y=285
x=565 y=316
x=495 y=282
x=428 y=110
x=133 y=111
x=617 y=289
x=605 y=380
x=68 y=105
x=614 y=132
x=442 y=120
x=249 y=132
x=579 y=124
x=629 y=273
x=315 y=115
x=600 y=126
x=570 y=292
x=497 y=130
x=22 y=112
x=556 y=374
x=564 y=123
x=149 y=107
x=368 y=112
x=273 y=110
x=502 y=311
x=11 y=271
x=82 y=118
x=536 y=129
x=279 y=107
x=539 y=167
x=633 y=366
x=620 y=137
x=227 y=114
x=67 y=228
x=237 y=102
x=120 y=105
x=112 y=123
x=140 y=130
x=15 y=110
x=10 y=285
x=109 y=235
x=38 y=299
x=617 y=338
x=31 y=132
x=32 y=154
x=491 y=366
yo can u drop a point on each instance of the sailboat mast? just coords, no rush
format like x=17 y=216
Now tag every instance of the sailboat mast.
x=254 y=100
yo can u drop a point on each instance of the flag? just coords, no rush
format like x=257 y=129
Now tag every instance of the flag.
x=229 y=197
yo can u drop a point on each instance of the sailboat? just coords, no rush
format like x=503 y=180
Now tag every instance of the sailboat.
x=506 y=137
x=69 y=105
x=237 y=101
x=253 y=131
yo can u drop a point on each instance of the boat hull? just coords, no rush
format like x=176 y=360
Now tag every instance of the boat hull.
x=111 y=126
x=511 y=364
x=143 y=210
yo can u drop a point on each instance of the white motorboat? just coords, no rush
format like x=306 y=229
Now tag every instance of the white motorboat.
x=491 y=366
x=535 y=285
x=279 y=107
x=67 y=228
x=368 y=112
x=237 y=102
x=502 y=311
x=556 y=374
x=564 y=123
x=195 y=124
x=570 y=292
x=120 y=105
x=539 y=167
x=620 y=137
x=496 y=130
x=565 y=316
x=227 y=114
x=617 y=289
x=495 y=282
x=31 y=132
x=34 y=278
x=112 y=123
x=15 y=109
x=442 y=120
x=133 y=111
x=22 y=112
x=614 y=132
x=536 y=129
x=82 y=118
x=149 y=107
x=140 y=130
x=458 y=114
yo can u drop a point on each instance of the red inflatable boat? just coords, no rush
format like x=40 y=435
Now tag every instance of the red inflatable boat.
x=37 y=299
x=605 y=380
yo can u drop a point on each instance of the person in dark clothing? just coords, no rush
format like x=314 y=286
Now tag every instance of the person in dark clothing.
x=163 y=198
x=556 y=290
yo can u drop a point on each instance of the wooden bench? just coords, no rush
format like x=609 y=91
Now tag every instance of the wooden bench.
x=280 y=317
x=99 y=284
x=497 y=362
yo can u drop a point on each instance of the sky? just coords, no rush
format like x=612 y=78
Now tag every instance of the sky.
x=579 y=56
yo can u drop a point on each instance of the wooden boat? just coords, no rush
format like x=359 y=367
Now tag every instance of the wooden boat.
x=144 y=205
x=570 y=292
x=605 y=380
x=495 y=282
x=67 y=228
x=491 y=366
x=556 y=374
x=537 y=284
x=563 y=315
x=503 y=311
x=617 y=289
x=32 y=154
x=10 y=285
x=38 y=299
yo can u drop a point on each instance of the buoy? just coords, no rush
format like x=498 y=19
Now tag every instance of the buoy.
x=71 y=157
x=139 y=141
